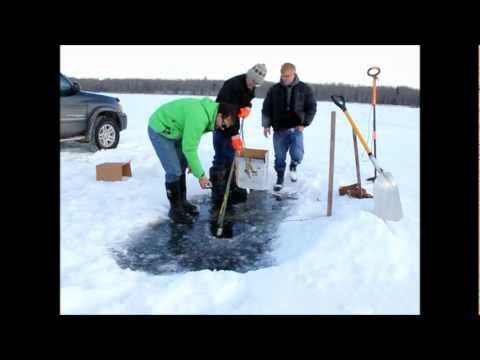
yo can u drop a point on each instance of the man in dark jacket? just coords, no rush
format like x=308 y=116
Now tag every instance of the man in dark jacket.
x=238 y=90
x=289 y=107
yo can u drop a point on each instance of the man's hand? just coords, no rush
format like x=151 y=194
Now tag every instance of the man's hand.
x=266 y=132
x=204 y=182
x=300 y=128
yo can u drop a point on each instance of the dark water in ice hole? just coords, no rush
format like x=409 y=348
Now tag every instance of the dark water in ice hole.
x=249 y=228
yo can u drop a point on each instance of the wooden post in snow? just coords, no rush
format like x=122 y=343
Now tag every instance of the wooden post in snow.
x=331 y=163
x=357 y=162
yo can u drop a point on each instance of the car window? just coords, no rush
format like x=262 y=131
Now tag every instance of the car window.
x=64 y=86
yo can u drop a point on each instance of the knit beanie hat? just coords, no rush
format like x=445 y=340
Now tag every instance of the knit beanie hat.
x=257 y=73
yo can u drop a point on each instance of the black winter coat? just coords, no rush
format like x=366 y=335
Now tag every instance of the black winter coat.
x=300 y=111
x=235 y=91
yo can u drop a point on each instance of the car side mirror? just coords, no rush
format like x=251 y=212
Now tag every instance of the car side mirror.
x=76 y=87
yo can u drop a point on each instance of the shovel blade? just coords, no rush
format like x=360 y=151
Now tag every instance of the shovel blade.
x=387 y=197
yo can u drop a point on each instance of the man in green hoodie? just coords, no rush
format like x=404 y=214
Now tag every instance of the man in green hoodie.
x=175 y=130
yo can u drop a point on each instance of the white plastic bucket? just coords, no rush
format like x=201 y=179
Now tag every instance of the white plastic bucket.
x=251 y=170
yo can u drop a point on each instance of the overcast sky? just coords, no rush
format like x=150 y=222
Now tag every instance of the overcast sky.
x=399 y=64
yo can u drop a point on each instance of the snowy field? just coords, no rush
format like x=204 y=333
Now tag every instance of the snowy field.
x=349 y=263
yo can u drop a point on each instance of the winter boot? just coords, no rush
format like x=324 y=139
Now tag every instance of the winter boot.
x=237 y=195
x=177 y=212
x=293 y=171
x=218 y=179
x=189 y=207
x=280 y=177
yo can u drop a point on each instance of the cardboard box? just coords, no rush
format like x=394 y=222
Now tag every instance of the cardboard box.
x=252 y=169
x=114 y=171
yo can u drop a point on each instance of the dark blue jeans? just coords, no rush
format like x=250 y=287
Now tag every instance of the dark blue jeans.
x=284 y=141
x=170 y=154
x=224 y=152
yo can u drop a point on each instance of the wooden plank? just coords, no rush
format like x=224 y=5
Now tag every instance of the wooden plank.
x=357 y=160
x=254 y=153
x=331 y=163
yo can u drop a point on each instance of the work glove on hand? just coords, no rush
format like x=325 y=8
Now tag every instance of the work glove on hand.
x=237 y=144
x=244 y=112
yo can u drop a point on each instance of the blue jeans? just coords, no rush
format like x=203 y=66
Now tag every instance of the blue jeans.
x=224 y=152
x=170 y=154
x=283 y=141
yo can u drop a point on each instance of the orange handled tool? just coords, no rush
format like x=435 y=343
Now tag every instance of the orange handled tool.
x=374 y=72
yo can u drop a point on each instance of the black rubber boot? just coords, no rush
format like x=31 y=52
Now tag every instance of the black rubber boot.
x=218 y=178
x=237 y=195
x=280 y=177
x=189 y=207
x=177 y=212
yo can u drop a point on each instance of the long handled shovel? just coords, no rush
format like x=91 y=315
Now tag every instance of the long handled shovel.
x=385 y=190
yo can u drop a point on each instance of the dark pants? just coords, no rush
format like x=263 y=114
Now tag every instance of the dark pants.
x=170 y=154
x=224 y=152
x=284 y=141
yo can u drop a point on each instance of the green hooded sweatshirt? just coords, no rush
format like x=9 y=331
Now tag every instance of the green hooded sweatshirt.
x=186 y=119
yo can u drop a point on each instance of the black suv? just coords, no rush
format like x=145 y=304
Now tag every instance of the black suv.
x=89 y=117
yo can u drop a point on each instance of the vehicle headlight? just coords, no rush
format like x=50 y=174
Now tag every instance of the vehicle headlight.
x=120 y=107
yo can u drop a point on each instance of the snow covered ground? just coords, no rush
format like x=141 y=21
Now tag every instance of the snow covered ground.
x=349 y=263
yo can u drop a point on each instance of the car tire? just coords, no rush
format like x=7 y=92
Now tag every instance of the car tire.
x=107 y=133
